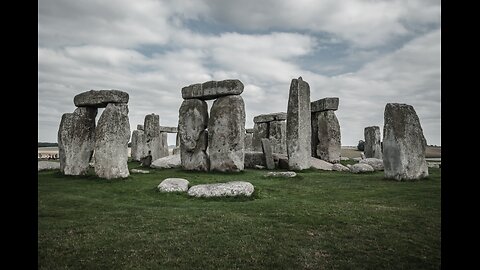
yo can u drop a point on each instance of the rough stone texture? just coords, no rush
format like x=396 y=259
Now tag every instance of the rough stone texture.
x=177 y=140
x=139 y=127
x=138 y=146
x=192 y=122
x=262 y=118
x=281 y=161
x=169 y=129
x=344 y=158
x=139 y=171
x=146 y=161
x=377 y=164
x=100 y=98
x=249 y=130
x=254 y=158
x=314 y=142
x=212 y=89
x=155 y=141
x=173 y=185
x=230 y=189
x=48 y=165
x=176 y=151
x=260 y=167
x=372 y=146
x=329 y=143
x=172 y=161
x=226 y=130
x=357 y=158
x=319 y=164
x=403 y=143
x=248 y=141
x=260 y=131
x=277 y=135
x=362 y=155
x=164 y=141
x=111 y=142
x=268 y=154
x=299 y=133
x=325 y=104
x=76 y=140
x=339 y=167
x=281 y=174
x=361 y=168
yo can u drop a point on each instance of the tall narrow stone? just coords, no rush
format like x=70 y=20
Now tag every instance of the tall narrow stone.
x=138 y=147
x=403 y=143
x=153 y=137
x=372 y=147
x=164 y=139
x=260 y=131
x=268 y=154
x=111 y=142
x=314 y=142
x=226 y=132
x=248 y=141
x=76 y=140
x=192 y=124
x=277 y=135
x=299 y=131
x=329 y=140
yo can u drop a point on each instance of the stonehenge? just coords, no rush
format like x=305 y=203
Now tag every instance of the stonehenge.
x=150 y=137
x=326 y=138
x=248 y=139
x=372 y=146
x=270 y=126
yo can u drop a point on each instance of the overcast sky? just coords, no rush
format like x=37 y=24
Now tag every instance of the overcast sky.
x=367 y=53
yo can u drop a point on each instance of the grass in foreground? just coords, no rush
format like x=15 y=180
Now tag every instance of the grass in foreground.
x=319 y=220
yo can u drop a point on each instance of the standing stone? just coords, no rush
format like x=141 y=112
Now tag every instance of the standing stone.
x=111 y=142
x=329 y=143
x=372 y=146
x=248 y=141
x=267 y=152
x=138 y=149
x=177 y=140
x=153 y=137
x=403 y=143
x=139 y=127
x=314 y=141
x=277 y=135
x=226 y=128
x=164 y=142
x=76 y=140
x=299 y=133
x=260 y=131
x=192 y=122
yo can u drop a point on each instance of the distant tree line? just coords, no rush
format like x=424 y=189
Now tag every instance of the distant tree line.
x=47 y=144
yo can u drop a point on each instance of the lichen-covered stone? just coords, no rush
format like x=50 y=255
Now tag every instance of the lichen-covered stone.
x=325 y=104
x=361 y=168
x=248 y=141
x=268 y=154
x=212 y=89
x=329 y=141
x=100 y=98
x=229 y=189
x=262 y=118
x=154 y=140
x=173 y=185
x=372 y=146
x=281 y=174
x=138 y=148
x=377 y=164
x=260 y=131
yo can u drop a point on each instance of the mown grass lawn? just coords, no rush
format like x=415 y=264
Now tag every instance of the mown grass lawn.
x=318 y=220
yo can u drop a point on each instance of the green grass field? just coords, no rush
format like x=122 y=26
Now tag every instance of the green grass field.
x=318 y=220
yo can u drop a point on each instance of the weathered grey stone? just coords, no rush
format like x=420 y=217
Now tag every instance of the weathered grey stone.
x=361 y=168
x=172 y=161
x=177 y=140
x=76 y=140
x=164 y=141
x=100 y=98
x=314 y=142
x=260 y=167
x=140 y=127
x=48 y=165
x=325 y=104
x=138 y=148
x=377 y=164
x=168 y=129
x=319 y=164
x=277 y=134
x=260 y=131
x=329 y=142
x=339 y=167
x=299 y=133
x=249 y=130
x=372 y=146
x=139 y=171
x=344 y=158
x=268 y=154
x=173 y=185
x=248 y=141
x=281 y=174
x=281 y=161
x=357 y=158
x=226 y=134
x=212 y=89
x=146 y=161
x=362 y=155
x=230 y=189
x=155 y=142
x=254 y=158
x=262 y=118
x=403 y=143
x=192 y=124
x=111 y=142
x=176 y=151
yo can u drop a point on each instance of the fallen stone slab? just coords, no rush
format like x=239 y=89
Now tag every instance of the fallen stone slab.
x=325 y=104
x=138 y=171
x=212 y=89
x=168 y=129
x=269 y=117
x=173 y=161
x=361 y=168
x=229 y=189
x=319 y=164
x=173 y=185
x=377 y=164
x=281 y=174
x=340 y=168
x=100 y=98
x=48 y=165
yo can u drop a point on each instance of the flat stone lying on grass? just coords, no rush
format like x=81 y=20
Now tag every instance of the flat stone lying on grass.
x=319 y=164
x=361 y=168
x=48 y=165
x=281 y=174
x=167 y=162
x=138 y=171
x=173 y=185
x=260 y=167
x=339 y=167
x=229 y=189
x=377 y=164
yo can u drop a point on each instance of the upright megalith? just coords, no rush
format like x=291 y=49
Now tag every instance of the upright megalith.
x=268 y=154
x=76 y=140
x=329 y=141
x=372 y=146
x=154 y=140
x=226 y=131
x=299 y=133
x=192 y=124
x=260 y=131
x=277 y=135
x=403 y=143
x=100 y=98
x=248 y=139
x=270 y=126
x=111 y=142
x=138 y=149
